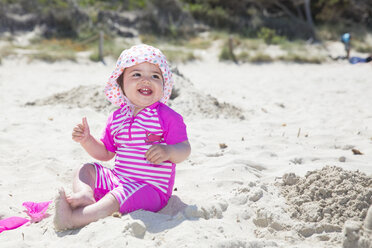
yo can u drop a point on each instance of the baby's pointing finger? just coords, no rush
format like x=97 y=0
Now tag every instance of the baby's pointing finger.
x=85 y=122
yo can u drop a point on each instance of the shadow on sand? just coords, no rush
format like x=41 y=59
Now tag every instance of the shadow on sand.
x=173 y=214
x=169 y=217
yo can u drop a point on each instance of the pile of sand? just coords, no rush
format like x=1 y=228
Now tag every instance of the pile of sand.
x=79 y=97
x=189 y=101
x=330 y=195
x=185 y=99
x=328 y=205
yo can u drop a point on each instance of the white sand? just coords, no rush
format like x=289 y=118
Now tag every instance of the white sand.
x=297 y=118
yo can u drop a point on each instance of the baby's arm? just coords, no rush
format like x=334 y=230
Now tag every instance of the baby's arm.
x=175 y=153
x=94 y=147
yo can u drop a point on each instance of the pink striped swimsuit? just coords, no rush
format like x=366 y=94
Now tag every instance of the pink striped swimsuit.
x=134 y=181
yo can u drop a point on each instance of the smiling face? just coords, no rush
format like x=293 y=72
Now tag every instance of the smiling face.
x=143 y=85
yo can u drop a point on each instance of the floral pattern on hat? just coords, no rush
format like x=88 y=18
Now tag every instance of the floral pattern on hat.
x=133 y=56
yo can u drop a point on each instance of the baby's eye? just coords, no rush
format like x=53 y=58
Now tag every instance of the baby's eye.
x=156 y=76
x=136 y=75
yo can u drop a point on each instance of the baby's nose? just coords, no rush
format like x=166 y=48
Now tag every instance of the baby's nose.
x=146 y=80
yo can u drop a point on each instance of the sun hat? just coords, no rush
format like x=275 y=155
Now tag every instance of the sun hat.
x=133 y=56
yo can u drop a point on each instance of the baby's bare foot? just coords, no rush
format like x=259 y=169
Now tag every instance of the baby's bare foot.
x=80 y=199
x=62 y=217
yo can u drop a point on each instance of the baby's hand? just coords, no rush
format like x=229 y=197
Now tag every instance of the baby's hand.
x=81 y=132
x=157 y=154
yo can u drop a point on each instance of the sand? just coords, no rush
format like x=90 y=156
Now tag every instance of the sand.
x=272 y=155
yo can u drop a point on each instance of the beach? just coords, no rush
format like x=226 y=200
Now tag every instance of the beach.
x=256 y=131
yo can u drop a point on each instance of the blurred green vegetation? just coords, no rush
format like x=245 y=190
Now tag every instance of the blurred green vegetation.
x=114 y=4
x=6 y=51
x=194 y=42
x=177 y=50
x=225 y=54
x=255 y=50
x=361 y=46
x=51 y=56
x=75 y=25
x=52 y=50
x=179 y=55
x=264 y=18
x=245 y=50
x=270 y=36
x=287 y=18
x=213 y=14
x=46 y=5
x=111 y=48
x=302 y=58
x=260 y=58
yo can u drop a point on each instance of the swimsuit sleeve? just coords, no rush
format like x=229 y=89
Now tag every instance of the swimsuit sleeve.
x=106 y=137
x=173 y=126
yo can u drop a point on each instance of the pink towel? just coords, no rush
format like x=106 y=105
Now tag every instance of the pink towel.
x=12 y=223
x=36 y=210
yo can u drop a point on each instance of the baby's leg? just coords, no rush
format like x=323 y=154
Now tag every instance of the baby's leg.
x=83 y=187
x=68 y=218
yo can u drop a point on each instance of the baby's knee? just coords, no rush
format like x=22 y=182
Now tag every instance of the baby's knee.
x=87 y=169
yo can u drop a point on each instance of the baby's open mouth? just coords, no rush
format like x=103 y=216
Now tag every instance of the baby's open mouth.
x=145 y=91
